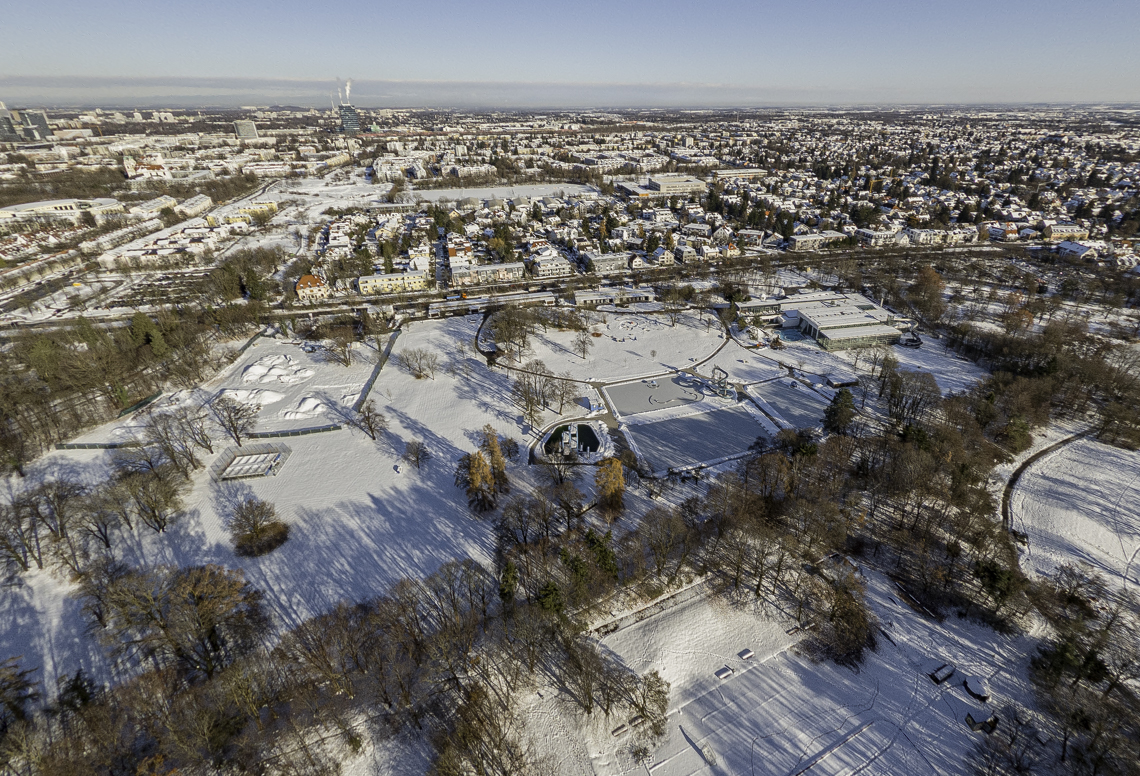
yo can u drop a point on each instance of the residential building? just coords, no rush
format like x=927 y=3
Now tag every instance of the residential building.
x=311 y=288
x=392 y=283
x=477 y=274
x=195 y=206
x=813 y=242
x=152 y=207
x=608 y=263
x=875 y=238
x=349 y=120
x=1076 y=250
x=1066 y=232
x=551 y=266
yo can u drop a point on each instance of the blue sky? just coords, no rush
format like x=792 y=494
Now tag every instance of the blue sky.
x=630 y=52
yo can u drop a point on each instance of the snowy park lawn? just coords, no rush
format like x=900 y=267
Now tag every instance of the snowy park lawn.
x=744 y=365
x=1079 y=504
x=357 y=524
x=953 y=374
x=781 y=712
x=804 y=355
x=627 y=346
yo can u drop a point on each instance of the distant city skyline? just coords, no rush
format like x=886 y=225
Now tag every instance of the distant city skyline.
x=727 y=53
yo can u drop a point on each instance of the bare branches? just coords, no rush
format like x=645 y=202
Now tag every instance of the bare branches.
x=236 y=418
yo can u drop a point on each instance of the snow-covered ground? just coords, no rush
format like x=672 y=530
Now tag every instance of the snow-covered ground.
x=952 y=373
x=361 y=518
x=1079 y=504
x=744 y=365
x=631 y=345
x=780 y=712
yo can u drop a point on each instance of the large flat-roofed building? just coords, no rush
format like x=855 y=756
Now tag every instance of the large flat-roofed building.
x=834 y=320
x=483 y=303
x=676 y=184
x=245 y=129
x=62 y=209
x=612 y=296
x=743 y=173
x=839 y=326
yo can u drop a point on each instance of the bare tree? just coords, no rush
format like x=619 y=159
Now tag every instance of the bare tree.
x=582 y=343
x=339 y=347
x=156 y=500
x=235 y=418
x=255 y=528
x=420 y=362
x=528 y=395
x=417 y=453
x=197 y=620
x=562 y=390
x=163 y=431
x=370 y=420
x=194 y=424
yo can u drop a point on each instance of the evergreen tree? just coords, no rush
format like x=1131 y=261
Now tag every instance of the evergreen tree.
x=838 y=416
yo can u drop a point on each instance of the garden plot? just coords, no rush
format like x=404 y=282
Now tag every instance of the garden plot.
x=296 y=388
x=630 y=345
x=1079 y=504
x=706 y=437
x=779 y=713
x=791 y=402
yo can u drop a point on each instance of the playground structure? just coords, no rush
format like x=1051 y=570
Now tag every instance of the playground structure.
x=719 y=383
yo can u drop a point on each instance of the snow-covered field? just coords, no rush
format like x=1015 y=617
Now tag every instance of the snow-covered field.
x=361 y=518
x=953 y=374
x=745 y=365
x=1079 y=504
x=780 y=713
x=631 y=345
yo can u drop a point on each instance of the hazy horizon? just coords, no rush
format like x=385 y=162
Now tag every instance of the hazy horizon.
x=727 y=53
x=190 y=93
